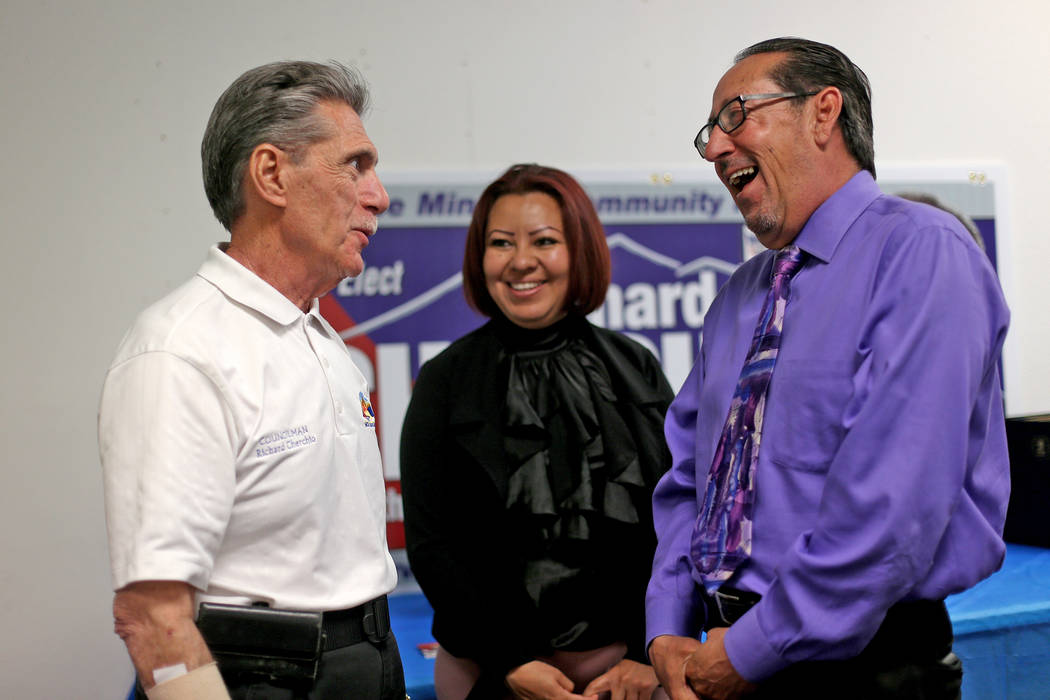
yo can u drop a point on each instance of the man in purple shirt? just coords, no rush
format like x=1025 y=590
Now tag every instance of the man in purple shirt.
x=882 y=476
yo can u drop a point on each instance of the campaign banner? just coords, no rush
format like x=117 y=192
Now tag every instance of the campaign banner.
x=673 y=242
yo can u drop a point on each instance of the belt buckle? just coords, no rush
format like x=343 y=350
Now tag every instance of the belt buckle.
x=729 y=598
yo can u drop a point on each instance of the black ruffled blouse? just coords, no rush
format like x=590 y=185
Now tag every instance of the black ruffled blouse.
x=575 y=479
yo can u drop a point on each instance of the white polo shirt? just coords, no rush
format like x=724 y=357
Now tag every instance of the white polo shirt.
x=239 y=451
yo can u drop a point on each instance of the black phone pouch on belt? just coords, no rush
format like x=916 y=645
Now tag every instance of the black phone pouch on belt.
x=261 y=640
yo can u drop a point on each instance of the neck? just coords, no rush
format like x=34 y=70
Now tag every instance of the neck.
x=259 y=250
x=838 y=178
x=822 y=186
x=834 y=170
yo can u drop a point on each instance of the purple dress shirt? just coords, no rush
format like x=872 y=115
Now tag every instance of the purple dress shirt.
x=883 y=474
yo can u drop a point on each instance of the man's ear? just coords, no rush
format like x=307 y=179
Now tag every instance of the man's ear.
x=828 y=106
x=267 y=173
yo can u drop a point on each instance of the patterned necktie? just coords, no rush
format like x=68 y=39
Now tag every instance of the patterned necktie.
x=722 y=536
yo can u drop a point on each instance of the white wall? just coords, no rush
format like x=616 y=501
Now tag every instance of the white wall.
x=103 y=106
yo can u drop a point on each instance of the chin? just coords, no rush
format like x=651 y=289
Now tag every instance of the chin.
x=762 y=224
x=766 y=228
x=353 y=268
x=537 y=322
x=525 y=321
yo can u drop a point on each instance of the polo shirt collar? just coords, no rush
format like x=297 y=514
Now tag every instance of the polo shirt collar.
x=829 y=223
x=246 y=288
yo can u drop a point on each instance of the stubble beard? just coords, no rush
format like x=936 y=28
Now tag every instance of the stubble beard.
x=761 y=224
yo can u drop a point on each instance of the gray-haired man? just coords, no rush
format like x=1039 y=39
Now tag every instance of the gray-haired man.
x=242 y=474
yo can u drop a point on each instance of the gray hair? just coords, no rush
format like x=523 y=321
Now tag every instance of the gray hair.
x=811 y=66
x=275 y=103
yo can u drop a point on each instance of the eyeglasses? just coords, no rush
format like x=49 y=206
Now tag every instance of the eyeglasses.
x=733 y=114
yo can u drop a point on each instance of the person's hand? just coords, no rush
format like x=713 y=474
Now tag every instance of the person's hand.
x=627 y=680
x=537 y=680
x=668 y=654
x=710 y=673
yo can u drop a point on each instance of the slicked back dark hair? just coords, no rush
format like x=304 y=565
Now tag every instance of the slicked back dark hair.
x=275 y=103
x=811 y=66
x=590 y=270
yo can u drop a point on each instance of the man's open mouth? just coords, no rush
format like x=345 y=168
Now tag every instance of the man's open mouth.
x=739 y=179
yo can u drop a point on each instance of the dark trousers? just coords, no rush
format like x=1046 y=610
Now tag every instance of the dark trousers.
x=363 y=670
x=910 y=658
x=867 y=679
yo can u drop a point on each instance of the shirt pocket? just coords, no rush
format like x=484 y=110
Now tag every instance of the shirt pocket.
x=804 y=417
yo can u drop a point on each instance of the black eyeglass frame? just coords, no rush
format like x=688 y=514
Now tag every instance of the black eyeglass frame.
x=701 y=143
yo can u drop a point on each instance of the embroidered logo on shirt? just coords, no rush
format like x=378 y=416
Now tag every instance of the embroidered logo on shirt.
x=284 y=441
x=366 y=411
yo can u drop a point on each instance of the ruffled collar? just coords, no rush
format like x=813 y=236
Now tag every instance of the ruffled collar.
x=538 y=340
x=570 y=453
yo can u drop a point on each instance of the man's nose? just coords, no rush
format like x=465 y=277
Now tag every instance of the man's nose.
x=719 y=145
x=373 y=195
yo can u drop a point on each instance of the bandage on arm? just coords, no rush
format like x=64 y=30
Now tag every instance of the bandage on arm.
x=202 y=683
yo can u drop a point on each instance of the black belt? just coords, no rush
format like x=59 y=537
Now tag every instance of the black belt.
x=914 y=626
x=258 y=640
x=369 y=621
x=727 y=605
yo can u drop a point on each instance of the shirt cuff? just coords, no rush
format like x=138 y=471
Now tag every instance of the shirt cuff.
x=670 y=615
x=749 y=651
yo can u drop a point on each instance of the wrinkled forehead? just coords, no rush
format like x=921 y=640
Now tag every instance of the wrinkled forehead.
x=748 y=77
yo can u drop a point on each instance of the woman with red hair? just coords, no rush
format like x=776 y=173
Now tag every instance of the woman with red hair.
x=528 y=457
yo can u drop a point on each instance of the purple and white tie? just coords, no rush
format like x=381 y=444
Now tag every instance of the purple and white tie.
x=722 y=535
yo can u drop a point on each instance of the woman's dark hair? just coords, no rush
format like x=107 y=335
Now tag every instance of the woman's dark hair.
x=589 y=266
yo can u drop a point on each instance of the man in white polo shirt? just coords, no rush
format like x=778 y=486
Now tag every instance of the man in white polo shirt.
x=244 y=490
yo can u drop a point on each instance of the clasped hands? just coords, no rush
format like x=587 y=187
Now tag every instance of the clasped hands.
x=627 y=680
x=689 y=669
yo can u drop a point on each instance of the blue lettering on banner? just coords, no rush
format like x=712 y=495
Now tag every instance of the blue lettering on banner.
x=444 y=204
x=697 y=202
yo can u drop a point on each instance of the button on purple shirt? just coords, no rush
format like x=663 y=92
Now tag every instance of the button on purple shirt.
x=883 y=472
